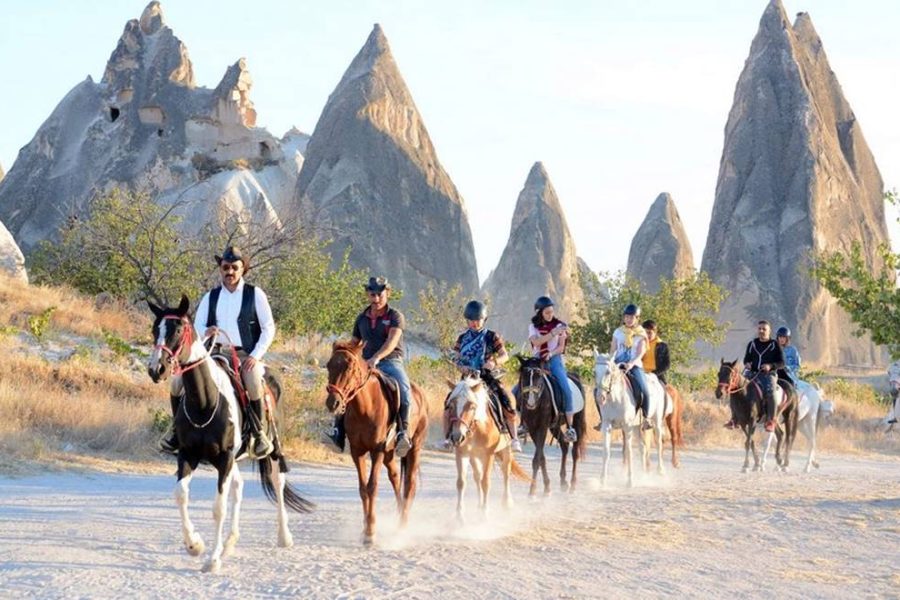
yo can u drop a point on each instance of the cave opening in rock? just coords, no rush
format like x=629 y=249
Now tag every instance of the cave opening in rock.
x=113 y=113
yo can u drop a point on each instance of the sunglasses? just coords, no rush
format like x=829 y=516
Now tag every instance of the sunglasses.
x=228 y=267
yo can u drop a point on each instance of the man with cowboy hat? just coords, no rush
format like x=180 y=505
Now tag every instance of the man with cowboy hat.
x=236 y=315
x=380 y=327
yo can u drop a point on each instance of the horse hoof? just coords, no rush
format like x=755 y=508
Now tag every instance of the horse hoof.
x=784 y=469
x=286 y=541
x=213 y=566
x=369 y=540
x=816 y=464
x=230 y=544
x=757 y=469
x=196 y=548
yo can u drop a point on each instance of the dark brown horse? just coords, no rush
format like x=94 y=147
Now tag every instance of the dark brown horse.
x=745 y=397
x=363 y=397
x=673 y=422
x=540 y=416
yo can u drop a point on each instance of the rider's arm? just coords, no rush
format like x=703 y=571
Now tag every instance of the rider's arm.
x=662 y=357
x=777 y=358
x=200 y=315
x=390 y=343
x=266 y=325
x=748 y=357
x=640 y=347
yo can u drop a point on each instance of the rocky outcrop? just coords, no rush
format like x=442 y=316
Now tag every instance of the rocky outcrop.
x=660 y=248
x=148 y=127
x=539 y=259
x=796 y=176
x=372 y=181
x=2 y=173
x=11 y=260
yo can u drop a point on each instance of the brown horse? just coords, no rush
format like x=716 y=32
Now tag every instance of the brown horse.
x=476 y=437
x=673 y=422
x=365 y=400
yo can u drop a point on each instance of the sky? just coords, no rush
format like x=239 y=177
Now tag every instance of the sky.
x=620 y=100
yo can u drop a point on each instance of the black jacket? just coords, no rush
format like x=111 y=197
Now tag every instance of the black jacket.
x=764 y=353
x=662 y=358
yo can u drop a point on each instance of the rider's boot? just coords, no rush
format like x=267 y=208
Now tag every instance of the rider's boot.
x=169 y=441
x=571 y=434
x=645 y=422
x=336 y=437
x=515 y=444
x=261 y=446
x=403 y=442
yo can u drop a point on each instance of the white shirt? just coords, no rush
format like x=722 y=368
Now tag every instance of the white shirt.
x=228 y=308
x=623 y=354
x=552 y=344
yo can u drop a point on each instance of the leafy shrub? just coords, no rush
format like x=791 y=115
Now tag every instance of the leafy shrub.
x=38 y=324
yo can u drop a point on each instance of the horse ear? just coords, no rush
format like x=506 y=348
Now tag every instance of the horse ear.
x=157 y=311
x=451 y=385
x=477 y=387
x=184 y=305
x=358 y=347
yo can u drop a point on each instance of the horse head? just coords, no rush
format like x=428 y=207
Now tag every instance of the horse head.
x=467 y=403
x=603 y=371
x=728 y=378
x=173 y=335
x=531 y=380
x=347 y=373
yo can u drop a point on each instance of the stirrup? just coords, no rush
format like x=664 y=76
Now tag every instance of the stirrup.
x=571 y=435
x=515 y=445
x=260 y=446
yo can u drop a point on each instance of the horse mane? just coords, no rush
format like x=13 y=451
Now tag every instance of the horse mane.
x=347 y=345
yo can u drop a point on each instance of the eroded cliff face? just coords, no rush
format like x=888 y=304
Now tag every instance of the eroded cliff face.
x=11 y=259
x=539 y=259
x=372 y=182
x=660 y=248
x=146 y=126
x=796 y=177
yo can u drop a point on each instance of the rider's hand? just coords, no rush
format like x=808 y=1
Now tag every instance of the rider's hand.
x=211 y=332
x=490 y=364
x=765 y=368
x=373 y=362
x=249 y=363
x=747 y=366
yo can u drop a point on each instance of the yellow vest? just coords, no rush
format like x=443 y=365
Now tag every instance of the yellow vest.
x=649 y=358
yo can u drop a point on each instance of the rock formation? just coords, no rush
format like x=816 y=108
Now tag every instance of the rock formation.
x=372 y=181
x=148 y=127
x=539 y=259
x=2 y=173
x=660 y=248
x=796 y=176
x=11 y=260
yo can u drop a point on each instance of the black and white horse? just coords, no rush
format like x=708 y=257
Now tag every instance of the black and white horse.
x=208 y=425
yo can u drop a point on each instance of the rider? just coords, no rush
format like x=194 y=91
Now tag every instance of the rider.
x=791 y=355
x=656 y=358
x=381 y=328
x=628 y=346
x=241 y=311
x=763 y=358
x=482 y=350
x=894 y=382
x=548 y=336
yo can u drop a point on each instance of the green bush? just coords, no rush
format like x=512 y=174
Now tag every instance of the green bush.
x=39 y=324
x=160 y=420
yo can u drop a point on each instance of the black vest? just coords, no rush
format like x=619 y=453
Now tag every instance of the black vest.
x=248 y=322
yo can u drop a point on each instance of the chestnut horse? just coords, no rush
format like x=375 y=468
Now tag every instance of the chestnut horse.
x=535 y=398
x=362 y=396
x=476 y=436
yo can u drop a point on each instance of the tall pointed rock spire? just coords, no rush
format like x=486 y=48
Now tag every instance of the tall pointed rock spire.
x=796 y=177
x=660 y=248
x=372 y=180
x=539 y=259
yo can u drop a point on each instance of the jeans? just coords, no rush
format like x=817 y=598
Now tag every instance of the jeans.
x=394 y=368
x=768 y=381
x=637 y=376
x=558 y=369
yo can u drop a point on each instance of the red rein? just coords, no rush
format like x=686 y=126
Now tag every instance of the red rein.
x=186 y=340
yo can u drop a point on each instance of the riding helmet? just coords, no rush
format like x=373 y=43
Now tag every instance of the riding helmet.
x=783 y=332
x=632 y=309
x=475 y=310
x=543 y=302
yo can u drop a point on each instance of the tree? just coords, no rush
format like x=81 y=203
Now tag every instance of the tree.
x=684 y=309
x=870 y=296
x=440 y=313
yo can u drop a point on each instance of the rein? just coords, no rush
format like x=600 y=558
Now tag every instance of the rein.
x=185 y=341
x=345 y=397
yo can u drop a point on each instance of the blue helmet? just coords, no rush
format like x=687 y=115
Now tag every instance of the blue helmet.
x=783 y=332
x=632 y=309
x=543 y=302
x=475 y=311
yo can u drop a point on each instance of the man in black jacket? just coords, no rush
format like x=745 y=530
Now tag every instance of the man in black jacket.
x=656 y=358
x=763 y=358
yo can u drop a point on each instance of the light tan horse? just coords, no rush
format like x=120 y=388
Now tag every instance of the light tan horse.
x=365 y=400
x=476 y=437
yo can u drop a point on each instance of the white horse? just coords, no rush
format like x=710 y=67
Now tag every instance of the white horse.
x=615 y=400
x=813 y=408
x=476 y=437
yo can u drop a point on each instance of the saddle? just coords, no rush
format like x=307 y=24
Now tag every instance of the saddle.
x=556 y=389
x=635 y=391
x=273 y=389
x=391 y=390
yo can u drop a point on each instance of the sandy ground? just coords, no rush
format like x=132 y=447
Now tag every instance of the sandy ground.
x=705 y=530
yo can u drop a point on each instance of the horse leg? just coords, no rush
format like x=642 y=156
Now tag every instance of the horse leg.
x=410 y=483
x=576 y=455
x=658 y=430
x=544 y=466
x=360 y=462
x=394 y=478
x=372 y=490
x=506 y=458
x=564 y=446
x=626 y=439
x=767 y=449
x=486 y=480
x=808 y=427
x=671 y=425
x=607 y=447
x=285 y=540
x=477 y=474
x=193 y=543
x=237 y=498
x=646 y=439
x=790 y=431
x=462 y=468
x=748 y=441
x=225 y=467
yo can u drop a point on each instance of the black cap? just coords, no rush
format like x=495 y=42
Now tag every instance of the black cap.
x=377 y=284
x=233 y=254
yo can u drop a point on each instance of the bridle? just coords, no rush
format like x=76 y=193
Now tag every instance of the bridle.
x=345 y=396
x=533 y=390
x=186 y=340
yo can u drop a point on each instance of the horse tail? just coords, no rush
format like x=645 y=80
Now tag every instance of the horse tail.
x=517 y=471
x=579 y=420
x=292 y=499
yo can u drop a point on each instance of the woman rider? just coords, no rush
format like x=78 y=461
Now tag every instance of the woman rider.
x=481 y=350
x=548 y=336
x=629 y=343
